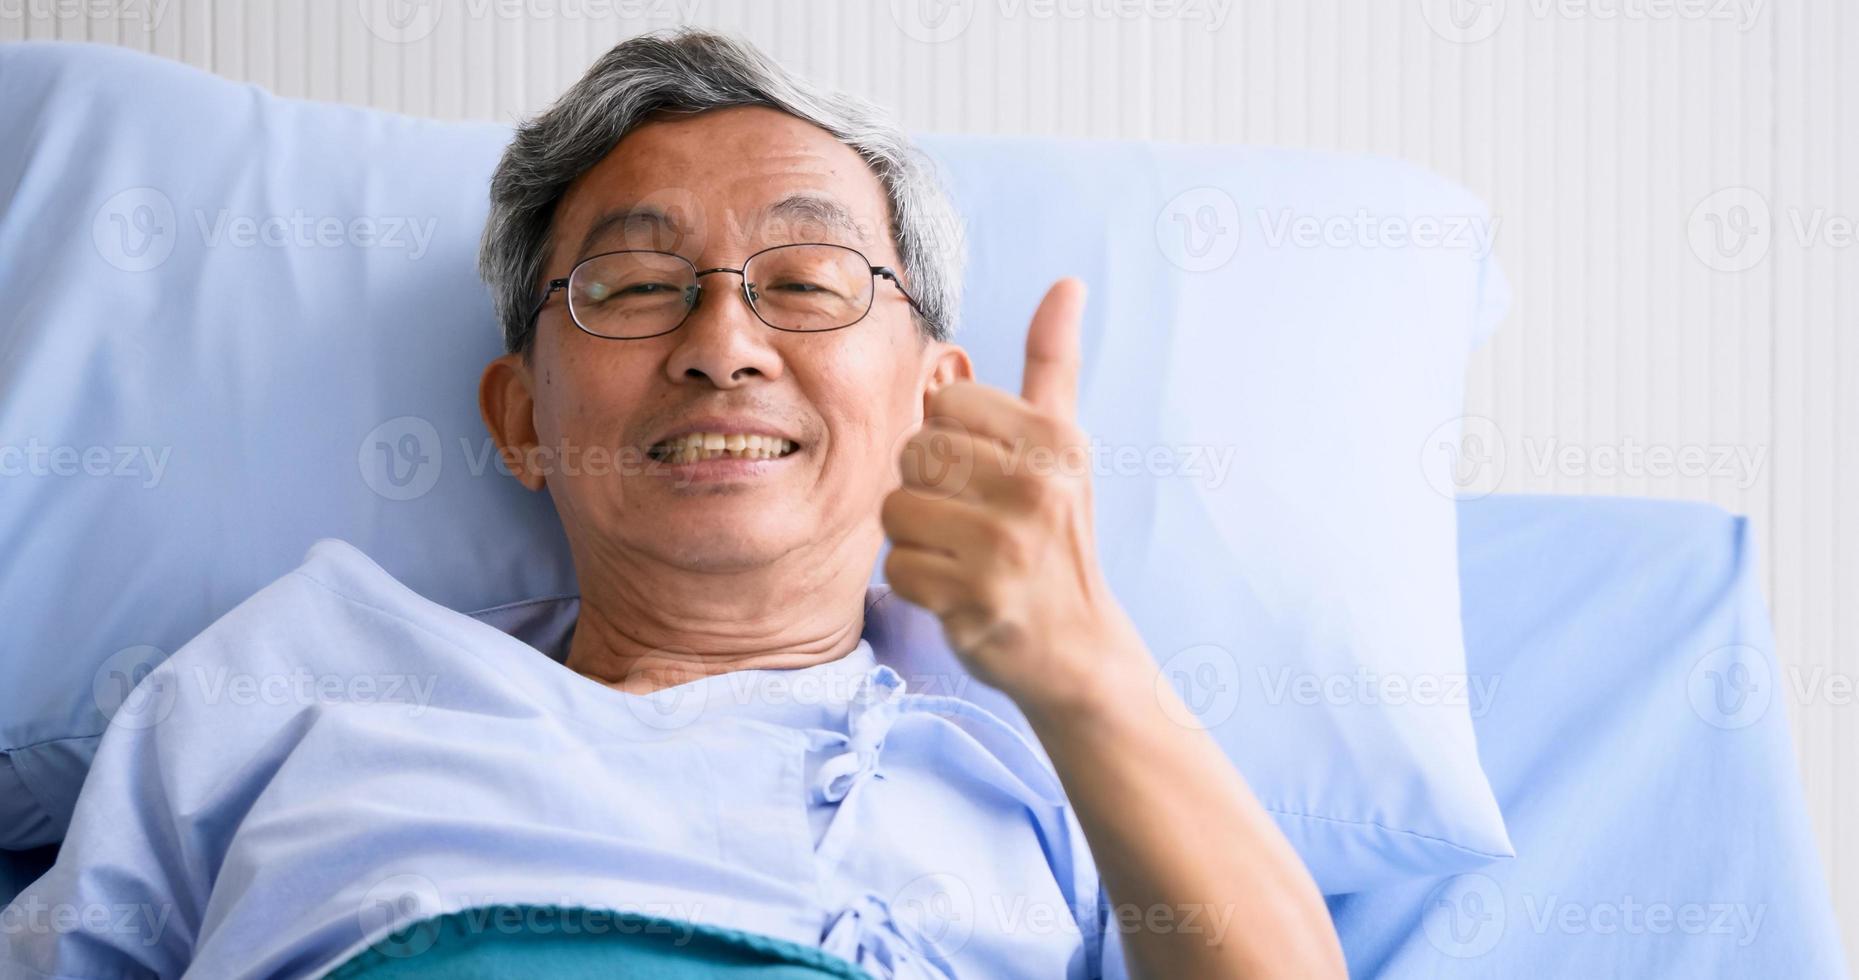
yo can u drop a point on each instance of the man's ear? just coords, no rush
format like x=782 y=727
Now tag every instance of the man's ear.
x=948 y=363
x=508 y=404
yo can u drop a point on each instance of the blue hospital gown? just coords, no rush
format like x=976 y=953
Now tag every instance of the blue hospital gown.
x=338 y=758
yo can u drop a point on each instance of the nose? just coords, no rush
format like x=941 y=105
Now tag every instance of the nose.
x=722 y=342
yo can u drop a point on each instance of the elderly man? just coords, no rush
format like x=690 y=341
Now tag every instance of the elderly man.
x=744 y=289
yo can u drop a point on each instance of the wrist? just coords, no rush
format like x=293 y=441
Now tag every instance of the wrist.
x=1114 y=675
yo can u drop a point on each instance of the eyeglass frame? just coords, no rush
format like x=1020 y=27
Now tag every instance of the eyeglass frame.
x=877 y=272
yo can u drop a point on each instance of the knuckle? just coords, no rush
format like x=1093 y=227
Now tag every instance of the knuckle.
x=1012 y=549
x=970 y=621
x=1043 y=427
x=1063 y=432
x=1043 y=491
x=990 y=596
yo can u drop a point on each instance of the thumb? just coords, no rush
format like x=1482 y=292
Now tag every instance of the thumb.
x=1050 y=381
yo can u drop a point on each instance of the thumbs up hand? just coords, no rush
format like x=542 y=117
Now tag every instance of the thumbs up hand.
x=991 y=528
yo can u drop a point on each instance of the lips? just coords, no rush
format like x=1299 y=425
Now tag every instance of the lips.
x=694 y=447
x=743 y=437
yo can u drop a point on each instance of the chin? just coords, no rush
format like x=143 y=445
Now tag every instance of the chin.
x=710 y=539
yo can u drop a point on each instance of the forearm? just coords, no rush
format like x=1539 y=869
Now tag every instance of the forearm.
x=1005 y=555
x=1180 y=840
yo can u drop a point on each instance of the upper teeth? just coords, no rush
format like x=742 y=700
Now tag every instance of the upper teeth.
x=710 y=445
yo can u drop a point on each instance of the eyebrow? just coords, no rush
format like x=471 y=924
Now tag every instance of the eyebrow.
x=622 y=219
x=797 y=208
x=821 y=210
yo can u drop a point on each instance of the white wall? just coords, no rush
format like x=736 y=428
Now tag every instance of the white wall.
x=1607 y=134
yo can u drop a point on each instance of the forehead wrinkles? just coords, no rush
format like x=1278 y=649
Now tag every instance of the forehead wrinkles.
x=719 y=156
x=668 y=225
x=709 y=175
x=816 y=216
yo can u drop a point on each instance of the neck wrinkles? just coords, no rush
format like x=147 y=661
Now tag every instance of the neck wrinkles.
x=645 y=626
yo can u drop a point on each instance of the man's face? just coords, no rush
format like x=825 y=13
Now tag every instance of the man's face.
x=716 y=187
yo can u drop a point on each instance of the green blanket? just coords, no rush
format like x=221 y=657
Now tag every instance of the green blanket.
x=495 y=942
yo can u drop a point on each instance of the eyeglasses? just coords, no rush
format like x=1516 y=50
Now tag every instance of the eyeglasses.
x=805 y=288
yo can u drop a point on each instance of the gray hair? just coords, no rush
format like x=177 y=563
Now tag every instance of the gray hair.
x=691 y=71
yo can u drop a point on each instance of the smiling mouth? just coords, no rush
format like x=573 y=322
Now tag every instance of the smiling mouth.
x=696 y=447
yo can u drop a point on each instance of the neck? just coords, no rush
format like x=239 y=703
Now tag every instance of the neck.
x=645 y=624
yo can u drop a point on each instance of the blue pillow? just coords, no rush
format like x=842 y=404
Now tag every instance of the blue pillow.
x=231 y=324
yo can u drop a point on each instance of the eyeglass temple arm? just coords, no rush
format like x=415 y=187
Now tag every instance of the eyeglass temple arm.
x=554 y=284
x=891 y=274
